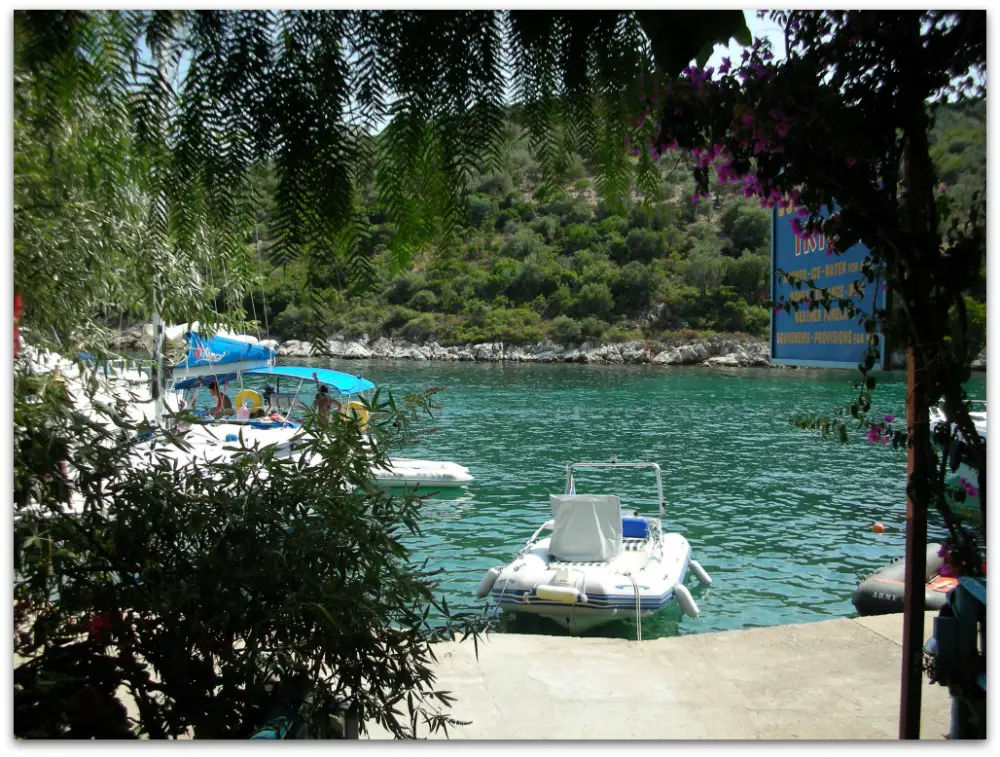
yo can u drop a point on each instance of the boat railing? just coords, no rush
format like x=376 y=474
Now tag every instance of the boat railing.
x=571 y=467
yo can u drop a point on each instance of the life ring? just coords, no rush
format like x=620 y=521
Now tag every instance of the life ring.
x=248 y=394
x=360 y=410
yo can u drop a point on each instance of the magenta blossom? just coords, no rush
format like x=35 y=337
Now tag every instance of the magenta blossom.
x=888 y=418
x=726 y=65
x=782 y=129
x=946 y=570
x=695 y=198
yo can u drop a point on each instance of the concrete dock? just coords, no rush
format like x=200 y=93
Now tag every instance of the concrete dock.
x=836 y=679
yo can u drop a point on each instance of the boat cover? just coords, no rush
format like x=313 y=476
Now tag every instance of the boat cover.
x=587 y=528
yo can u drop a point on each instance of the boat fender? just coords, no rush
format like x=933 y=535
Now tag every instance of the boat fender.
x=565 y=594
x=486 y=585
x=686 y=601
x=700 y=573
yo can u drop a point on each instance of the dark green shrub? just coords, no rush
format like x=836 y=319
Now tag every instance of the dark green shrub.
x=644 y=245
x=592 y=329
x=565 y=329
x=578 y=237
x=494 y=184
x=404 y=286
x=636 y=287
x=481 y=209
x=549 y=227
x=425 y=300
x=594 y=299
x=424 y=327
x=522 y=244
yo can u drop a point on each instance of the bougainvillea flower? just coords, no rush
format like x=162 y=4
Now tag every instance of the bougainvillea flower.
x=888 y=418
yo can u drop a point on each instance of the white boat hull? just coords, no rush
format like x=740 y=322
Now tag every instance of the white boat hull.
x=411 y=474
x=604 y=592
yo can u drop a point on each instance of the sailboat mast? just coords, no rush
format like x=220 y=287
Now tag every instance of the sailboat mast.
x=156 y=388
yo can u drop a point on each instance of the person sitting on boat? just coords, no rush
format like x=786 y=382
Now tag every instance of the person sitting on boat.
x=222 y=401
x=323 y=402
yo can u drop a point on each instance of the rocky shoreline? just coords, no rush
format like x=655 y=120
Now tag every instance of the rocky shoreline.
x=714 y=351
x=711 y=351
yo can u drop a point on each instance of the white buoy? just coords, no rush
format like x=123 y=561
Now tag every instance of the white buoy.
x=686 y=601
x=700 y=573
x=487 y=583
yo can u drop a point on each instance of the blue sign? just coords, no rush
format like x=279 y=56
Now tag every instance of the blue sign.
x=831 y=339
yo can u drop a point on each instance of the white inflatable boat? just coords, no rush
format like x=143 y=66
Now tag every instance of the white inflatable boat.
x=597 y=564
x=408 y=473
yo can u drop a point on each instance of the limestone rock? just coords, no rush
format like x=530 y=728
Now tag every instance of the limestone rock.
x=731 y=360
x=355 y=351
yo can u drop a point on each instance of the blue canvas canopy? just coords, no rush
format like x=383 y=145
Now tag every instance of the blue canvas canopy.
x=343 y=383
x=219 y=350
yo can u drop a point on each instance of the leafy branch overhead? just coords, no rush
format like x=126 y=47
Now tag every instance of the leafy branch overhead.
x=179 y=106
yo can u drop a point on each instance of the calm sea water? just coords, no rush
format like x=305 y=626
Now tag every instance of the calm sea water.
x=780 y=519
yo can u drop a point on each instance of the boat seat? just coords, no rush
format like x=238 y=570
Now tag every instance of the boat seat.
x=635 y=528
x=586 y=527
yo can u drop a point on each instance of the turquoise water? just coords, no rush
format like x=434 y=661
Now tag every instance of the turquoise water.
x=780 y=519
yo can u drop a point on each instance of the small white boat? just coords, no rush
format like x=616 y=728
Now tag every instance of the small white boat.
x=408 y=473
x=597 y=564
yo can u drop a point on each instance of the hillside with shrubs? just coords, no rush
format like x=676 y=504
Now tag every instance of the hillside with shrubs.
x=536 y=262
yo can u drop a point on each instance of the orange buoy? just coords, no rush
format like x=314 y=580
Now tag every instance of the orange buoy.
x=878 y=528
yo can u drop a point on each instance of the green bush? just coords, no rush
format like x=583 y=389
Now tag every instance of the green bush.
x=495 y=184
x=748 y=274
x=565 y=329
x=424 y=327
x=578 y=237
x=549 y=227
x=746 y=224
x=592 y=329
x=636 y=287
x=525 y=211
x=425 y=300
x=523 y=243
x=397 y=317
x=402 y=287
x=505 y=217
x=618 y=334
x=538 y=277
x=644 y=245
x=481 y=209
x=595 y=299
x=560 y=302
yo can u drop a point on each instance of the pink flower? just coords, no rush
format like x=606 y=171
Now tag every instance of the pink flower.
x=797 y=227
x=888 y=418
x=946 y=570
x=726 y=65
x=695 y=198
x=782 y=129
x=943 y=552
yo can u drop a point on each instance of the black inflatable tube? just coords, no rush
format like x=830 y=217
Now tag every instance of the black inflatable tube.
x=882 y=592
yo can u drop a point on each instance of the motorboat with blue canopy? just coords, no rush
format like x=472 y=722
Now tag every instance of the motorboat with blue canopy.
x=264 y=415
x=598 y=563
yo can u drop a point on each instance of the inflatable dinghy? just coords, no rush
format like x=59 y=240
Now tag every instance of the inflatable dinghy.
x=881 y=593
x=598 y=563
